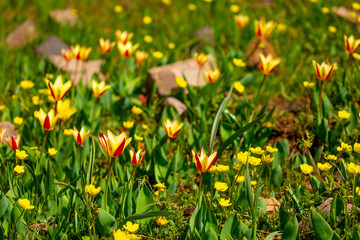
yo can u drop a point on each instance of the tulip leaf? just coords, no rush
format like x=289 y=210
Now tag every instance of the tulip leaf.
x=145 y=200
x=322 y=229
x=105 y=221
x=217 y=120
x=271 y=236
x=291 y=230
x=148 y=215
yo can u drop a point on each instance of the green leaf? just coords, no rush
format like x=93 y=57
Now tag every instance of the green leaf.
x=237 y=134
x=353 y=119
x=322 y=229
x=248 y=79
x=92 y=160
x=148 y=215
x=291 y=229
x=217 y=120
x=145 y=200
x=105 y=221
x=271 y=236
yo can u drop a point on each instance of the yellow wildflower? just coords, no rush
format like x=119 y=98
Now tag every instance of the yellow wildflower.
x=21 y=154
x=19 y=169
x=221 y=186
x=52 y=151
x=224 y=203
x=26 y=84
x=257 y=150
x=131 y=227
x=344 y=114
x=239 y=62
x=162 y=221
x=18 y=120
x=181 y=82
x=271 y=149
x=306 y=168
x=239 y=87
x=147 y=20
x=136 y=110
x=25 y=204
x=331 y=157
x=222 y=168
x=128 y=124
x=240 y=179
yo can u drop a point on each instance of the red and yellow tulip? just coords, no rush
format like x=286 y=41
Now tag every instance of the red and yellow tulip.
x=13 y=142
x=48 y=120
x=127 y=50
x=263 y=29
x=99 y=89
x=123 y=36
x=76 y=52
x=172 y=128
x=85 y=53
x=105 y=45
x=2 y=133
x=268 y=63
x=67 y=54
x=201 y=58
x=324 y=70
x=351 y=44
x=64 y=110
x=242 y=20
x=140 y=56
x=58 y=90
x=212 y=76
x=204 y=162
x=113 y=145
x=80 y=136
x=136 y=157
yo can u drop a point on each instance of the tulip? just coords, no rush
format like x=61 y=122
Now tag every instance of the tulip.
x=64 y=110
x=204 y=162
x=137 y=157
x=140 y=56
x=58 y=90
x=268 y=64
x=2 y=133
x=47 y=121
x=212 y=76
x=123 y=37
x=13 y=142
x=324 y=70
x=76 y=52
x=99 y=89
x=201 y=58
x=105 y=45
x=113 y=145
x=81 y=136
x=67 y=54
x=127 y=50
x=242 y=20
x=85 y=53
x=172 y=128
x=264 y=29
x=351 y=44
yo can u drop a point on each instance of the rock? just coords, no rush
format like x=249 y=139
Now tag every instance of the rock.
x=263 y=3
x=253 y=51
x=272 y=204
x=22 y=35
x=79 y=69
x=179 y=106
x=164 y=76
x=10 y=130
x=205 y=36
x=64 y=16
x=325 y=207
x=52 y=46
x=345 y=13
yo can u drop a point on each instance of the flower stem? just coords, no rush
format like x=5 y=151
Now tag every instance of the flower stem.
x=200 y=185
x=13 y=230
x=261 y=85
x=43 y=145
x=320 y=99
x=107 y=181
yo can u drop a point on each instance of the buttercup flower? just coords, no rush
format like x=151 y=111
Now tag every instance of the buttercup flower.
x=242 y=20
x=162 y=221
x=351 y=44
x=25 y=204
x=19 y=169
x=306 y=168
x=52 y=151
x=308 y=84
x=344 y=147
x=128 y=124
x=271 y=149
x=21 y=154
x=239 y=62
x=213 y=169
x=113 y=145
x=157 y=54
x=26 y=84
x=225 y=203
x=148 y=39
x=136 y=157
x=253 y=183
x=221 y=186
x=68 y=132
x=353 y=168
x=172 y=128
x=324 y=70
x=13 y=142
x=58 y=89
x=357 y=190
x=131 y=227
x=267 y=158
x=92 y=190
x=18 y=120
x=47 y=121
x=140 y=56
x=264 y=29
x=255 y=161
x=204 y=162
x=222 y=168
x=201 y=58
x=181 y=82
x=268 y=64
x=105 y=45
x=147 y=20
x=212 y=76
x=239 y=87
x=99 y=89
x=331 y=157
x=160 y=186
x=357 y=147
x=2 y=107
x=344 y=114
x=237 y=165
x=127 y=50
x=123 y=36
x=80 y=136
x=242 y=156
x=64 y=110
x=240 y=179
x=324 y=167
x=67 y=54
x=136 y=110
x=257 y=150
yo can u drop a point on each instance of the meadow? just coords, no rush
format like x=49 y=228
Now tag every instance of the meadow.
x=166 y=119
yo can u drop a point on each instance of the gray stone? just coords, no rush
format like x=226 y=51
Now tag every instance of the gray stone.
x=22 y=35
x=51 y=46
